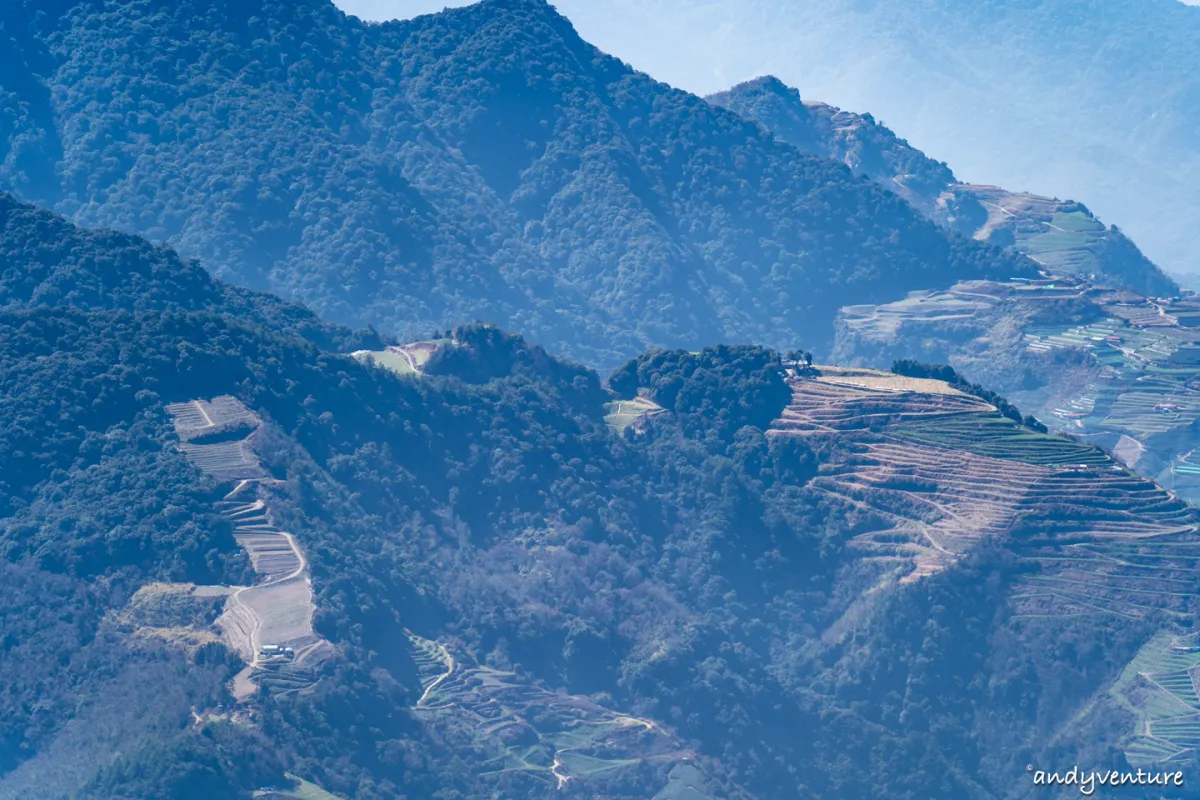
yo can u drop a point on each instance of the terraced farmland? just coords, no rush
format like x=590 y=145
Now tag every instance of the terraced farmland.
x=1134 y=377
x=940 y=470
x=625 y=414
x=998 y=437
x=534 y=734
x=864 y=327
x=926 y=306
x=218 y=437
x=1159 y=687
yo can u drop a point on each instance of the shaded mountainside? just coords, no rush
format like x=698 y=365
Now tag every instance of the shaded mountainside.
x=774 y=585
x=483 y=163
x=1061 y=236
x=46 y=261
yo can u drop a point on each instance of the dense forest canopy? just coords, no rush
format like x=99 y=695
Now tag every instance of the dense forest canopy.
x=692 y=572
x=480 y=164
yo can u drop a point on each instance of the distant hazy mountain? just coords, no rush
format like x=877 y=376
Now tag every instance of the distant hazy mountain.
x=485 y=163
x=1092 y=99
x=1062 y=236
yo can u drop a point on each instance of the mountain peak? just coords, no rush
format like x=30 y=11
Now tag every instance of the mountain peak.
x=763 y=84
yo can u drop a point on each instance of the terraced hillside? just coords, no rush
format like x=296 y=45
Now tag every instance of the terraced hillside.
x=936 y=471
x=1160 y=688
x=1117 y=369
x=531 y=734
x=276 y=612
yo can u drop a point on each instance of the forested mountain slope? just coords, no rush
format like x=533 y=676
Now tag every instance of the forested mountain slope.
x=1090 y=99
x=484 y=163
x=772 y=588
x=1061 y=236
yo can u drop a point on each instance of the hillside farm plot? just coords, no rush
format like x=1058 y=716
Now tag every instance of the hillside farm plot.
x=408 y=359
x=1094 y=336
x=270 y=623
x=999 y=437
x=1144 y=413
x=883 y=322
x=846 y=402
x=1159 y=687
x=1065 y=242
x=527 y=730
x=625 y=414
x=1125 y=563
x=938 y=472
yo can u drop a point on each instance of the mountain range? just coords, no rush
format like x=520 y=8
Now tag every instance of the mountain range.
x=1090 y=99
x=1063 y=237
x=354 y=540
x=511 y=173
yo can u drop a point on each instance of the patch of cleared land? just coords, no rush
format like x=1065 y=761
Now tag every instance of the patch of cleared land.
x=549 y=737
x=180 y=613
x=218 y=437
x=885 y=381
x=298 y=790
x=624 y=414
x=408 y=359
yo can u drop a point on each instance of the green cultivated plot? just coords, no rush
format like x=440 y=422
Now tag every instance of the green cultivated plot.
x=999 y=437
x=1065 y=245
x=1158 y=686
x=524 y=729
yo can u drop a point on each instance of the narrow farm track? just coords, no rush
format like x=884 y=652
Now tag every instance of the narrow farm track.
x=525 y=728
x=218 y=437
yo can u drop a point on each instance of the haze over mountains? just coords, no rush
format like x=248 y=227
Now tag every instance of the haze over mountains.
x=1061 y=236
x=512 y=173
x=250 y=553
x=1071 y=98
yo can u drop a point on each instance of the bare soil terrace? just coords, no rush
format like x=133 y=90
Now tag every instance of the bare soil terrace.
x=939 y=471
x=218 y=437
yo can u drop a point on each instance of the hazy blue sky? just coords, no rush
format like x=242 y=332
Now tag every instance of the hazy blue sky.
x=702 y=46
